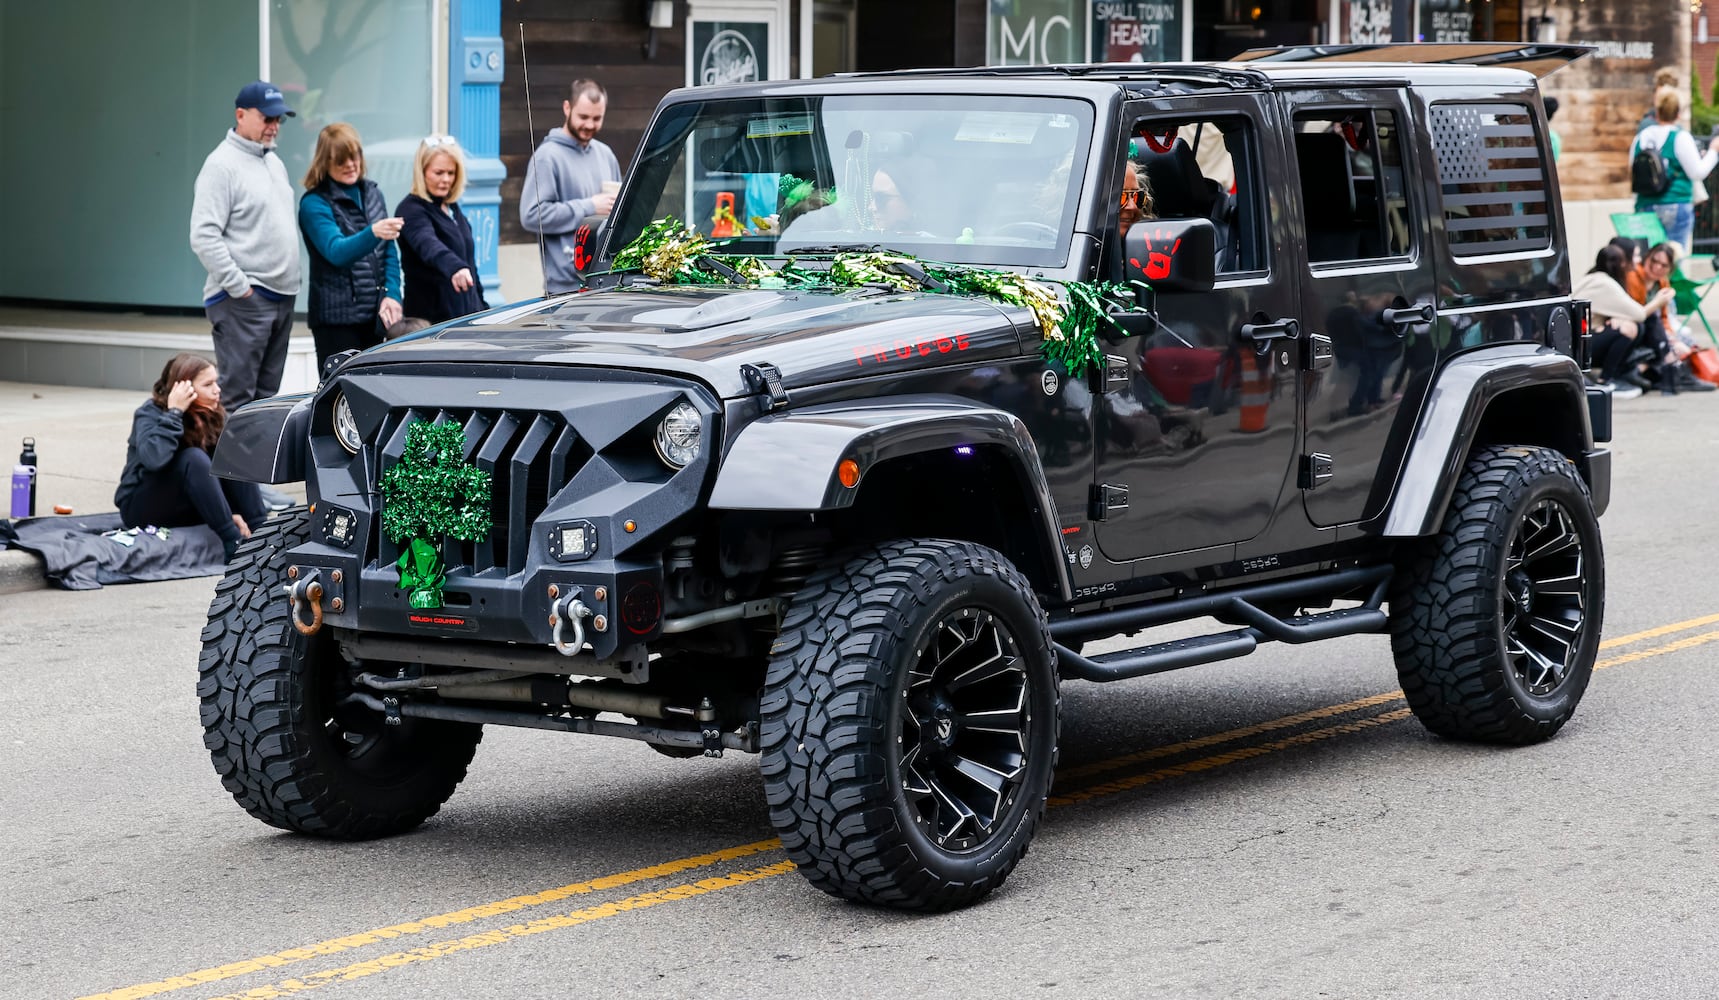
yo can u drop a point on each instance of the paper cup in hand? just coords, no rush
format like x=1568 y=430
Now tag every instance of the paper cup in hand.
x=610 y=187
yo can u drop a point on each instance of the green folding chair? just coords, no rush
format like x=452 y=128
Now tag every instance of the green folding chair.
x=1691 y=293
x=1643 y=227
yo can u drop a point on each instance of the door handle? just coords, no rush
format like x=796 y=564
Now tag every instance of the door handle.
x=1262 y=334
x=1409 y=315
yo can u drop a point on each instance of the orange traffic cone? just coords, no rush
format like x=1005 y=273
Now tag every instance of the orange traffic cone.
x=1255 y=394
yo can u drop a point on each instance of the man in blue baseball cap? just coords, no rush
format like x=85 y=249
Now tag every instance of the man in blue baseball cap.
x=244 y=230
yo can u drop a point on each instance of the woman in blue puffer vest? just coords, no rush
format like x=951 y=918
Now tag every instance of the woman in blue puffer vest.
x=354 y=264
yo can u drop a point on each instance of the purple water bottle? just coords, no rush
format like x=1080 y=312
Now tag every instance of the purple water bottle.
x=28 y=457
x=22 y=478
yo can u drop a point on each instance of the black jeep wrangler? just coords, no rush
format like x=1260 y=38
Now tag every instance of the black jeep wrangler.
x=796 y=483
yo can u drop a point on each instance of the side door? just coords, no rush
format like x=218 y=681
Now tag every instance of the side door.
x=1195 y=424
x=1368 y=284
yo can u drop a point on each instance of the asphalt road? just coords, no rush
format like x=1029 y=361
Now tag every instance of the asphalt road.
x=1270 y=827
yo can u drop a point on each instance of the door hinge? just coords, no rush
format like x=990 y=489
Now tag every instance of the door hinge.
x=1104 y=498
x=1315 y=469
x=1317 y=353
x=1115 y=373
x=764 y=377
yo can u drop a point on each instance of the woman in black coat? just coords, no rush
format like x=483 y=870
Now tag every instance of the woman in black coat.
x=437 y=253
x=167 y=479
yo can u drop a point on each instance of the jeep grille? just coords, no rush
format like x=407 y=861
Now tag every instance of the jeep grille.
x=530 y=457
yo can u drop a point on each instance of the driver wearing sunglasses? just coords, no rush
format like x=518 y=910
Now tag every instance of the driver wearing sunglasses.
x=1136 y=198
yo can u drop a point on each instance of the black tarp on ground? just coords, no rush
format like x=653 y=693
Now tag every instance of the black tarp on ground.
x=78 y=555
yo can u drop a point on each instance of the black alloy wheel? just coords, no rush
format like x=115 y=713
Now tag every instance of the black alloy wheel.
x=1542 y=594
x=1495 y=620
x=909 y=724
x=965 y=730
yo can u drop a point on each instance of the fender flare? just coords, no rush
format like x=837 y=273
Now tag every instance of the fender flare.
x=1452 y=416
x=266 y=441
x=787 y=462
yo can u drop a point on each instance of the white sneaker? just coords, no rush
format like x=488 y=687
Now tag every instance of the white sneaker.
x=1623 y=390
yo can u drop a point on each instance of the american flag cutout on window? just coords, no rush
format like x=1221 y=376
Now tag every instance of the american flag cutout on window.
x=1492 y=178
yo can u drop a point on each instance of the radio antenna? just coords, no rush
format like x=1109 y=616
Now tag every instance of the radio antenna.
x=525 y=68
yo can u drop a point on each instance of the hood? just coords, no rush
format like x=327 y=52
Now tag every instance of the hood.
x=708 y=333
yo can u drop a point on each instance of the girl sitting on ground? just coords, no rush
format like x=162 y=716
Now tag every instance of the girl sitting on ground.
x=167 y=480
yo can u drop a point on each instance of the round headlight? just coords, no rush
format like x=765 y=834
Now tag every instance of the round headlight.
x=346 y=426
x=677 y=436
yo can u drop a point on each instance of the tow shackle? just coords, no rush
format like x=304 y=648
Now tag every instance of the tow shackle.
x=567 y=610
x=308 y=590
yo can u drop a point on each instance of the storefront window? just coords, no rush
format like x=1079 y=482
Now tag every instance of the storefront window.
x=1024 y=32
x=365 y=64
x=1137 y=31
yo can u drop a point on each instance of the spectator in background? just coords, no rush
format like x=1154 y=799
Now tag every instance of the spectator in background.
x=1551 y=104
x=243 y=231
x=1665 y=76
x=571 y=178
x=1686 y=165
x=1644 y=282
x=354 y=265
x=167 y=479
x=1617 y=320
x=437 y=252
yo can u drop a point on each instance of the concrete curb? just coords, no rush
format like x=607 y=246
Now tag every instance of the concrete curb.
x=21 y=571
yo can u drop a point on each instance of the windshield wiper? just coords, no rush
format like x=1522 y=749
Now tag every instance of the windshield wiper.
x=836 y=248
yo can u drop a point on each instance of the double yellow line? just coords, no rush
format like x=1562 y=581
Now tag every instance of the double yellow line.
x=688 y=890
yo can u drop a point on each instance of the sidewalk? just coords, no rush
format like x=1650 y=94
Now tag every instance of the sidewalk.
x=80 y=449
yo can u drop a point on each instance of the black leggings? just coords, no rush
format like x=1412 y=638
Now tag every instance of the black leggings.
x=1611 y=353
x=186 y=492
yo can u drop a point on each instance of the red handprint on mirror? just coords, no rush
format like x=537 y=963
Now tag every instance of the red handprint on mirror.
x=1157 y=266
x=582 y=248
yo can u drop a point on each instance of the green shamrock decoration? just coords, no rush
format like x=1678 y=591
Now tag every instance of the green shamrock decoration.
x=432 y=493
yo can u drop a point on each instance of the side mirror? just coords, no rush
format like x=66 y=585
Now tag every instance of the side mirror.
x=586 y=239
x=1172 y=255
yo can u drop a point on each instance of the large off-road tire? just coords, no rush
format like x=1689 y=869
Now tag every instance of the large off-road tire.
x=1495 y=621
x=909 y=725
x=283 y=746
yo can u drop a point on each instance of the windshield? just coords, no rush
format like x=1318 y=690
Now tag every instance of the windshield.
x=964 y=179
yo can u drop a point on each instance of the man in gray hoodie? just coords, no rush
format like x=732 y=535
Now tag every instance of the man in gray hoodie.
x=564 y=183
x=244 y=229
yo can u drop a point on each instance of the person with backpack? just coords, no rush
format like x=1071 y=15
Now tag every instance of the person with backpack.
x=1665 y=167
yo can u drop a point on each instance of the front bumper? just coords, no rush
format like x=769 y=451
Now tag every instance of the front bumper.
x=624 y=600
x=569 y=456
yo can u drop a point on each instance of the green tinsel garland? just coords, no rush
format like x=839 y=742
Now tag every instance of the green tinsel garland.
x=673 y=254
x=432 y=492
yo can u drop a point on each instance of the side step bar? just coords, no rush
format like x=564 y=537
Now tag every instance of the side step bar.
x=1239 y=606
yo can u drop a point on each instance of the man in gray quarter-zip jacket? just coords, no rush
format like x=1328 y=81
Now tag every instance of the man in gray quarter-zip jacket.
x=564 y=183
x=244 y=229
